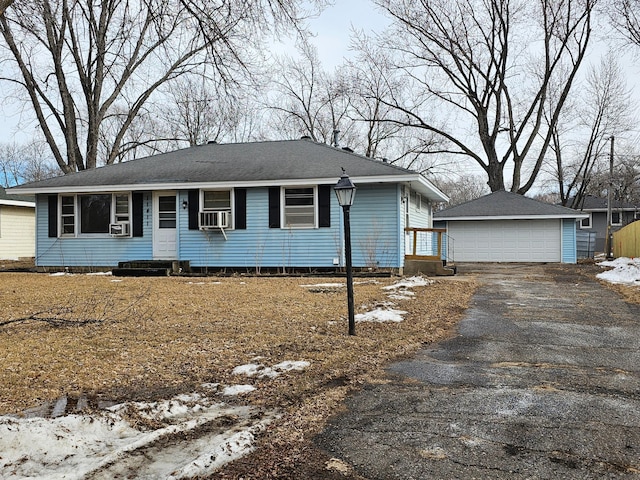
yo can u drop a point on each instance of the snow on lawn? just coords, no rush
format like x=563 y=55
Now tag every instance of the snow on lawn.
x=175 y=438
x=261 y=371
x=411 y=282
x=624 y=270
x=381 y=314
x=398 y=291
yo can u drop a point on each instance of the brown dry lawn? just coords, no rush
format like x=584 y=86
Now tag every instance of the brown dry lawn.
x=148 y=338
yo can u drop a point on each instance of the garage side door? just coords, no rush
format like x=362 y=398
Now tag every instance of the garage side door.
x=506 y=241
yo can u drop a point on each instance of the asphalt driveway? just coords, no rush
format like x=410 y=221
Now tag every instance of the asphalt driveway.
x=542 y=381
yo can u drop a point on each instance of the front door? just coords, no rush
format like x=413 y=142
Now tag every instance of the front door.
x=164 y=226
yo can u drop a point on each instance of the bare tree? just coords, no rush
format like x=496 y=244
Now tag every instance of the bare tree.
x=307 y=101
x=25 y=163
x=4 y=4
x=604 y=111
x=89 y=67
x=482 y=72
x=371 y=79
x=625 y=15
x=464 y=188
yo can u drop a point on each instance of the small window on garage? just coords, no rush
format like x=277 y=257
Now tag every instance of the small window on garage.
x=586 y=222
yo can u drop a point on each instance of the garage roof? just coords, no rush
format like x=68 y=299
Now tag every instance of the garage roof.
x=17 y=200
x=503 y=205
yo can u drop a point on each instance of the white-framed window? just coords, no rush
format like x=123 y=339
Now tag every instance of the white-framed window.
x=616 y=218
x=585 y=222
x=300 y=207
x=418 y=201
x=91 y=214
x=68 y=215
x=216 y=209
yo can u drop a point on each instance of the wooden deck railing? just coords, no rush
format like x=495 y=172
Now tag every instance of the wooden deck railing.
x=426 y=243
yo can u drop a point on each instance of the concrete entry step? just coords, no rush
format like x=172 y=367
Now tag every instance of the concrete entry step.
x=150 y=268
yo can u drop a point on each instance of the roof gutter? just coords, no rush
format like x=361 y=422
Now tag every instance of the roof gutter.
x=513 y=217
x=427 y=187
x=17 y=203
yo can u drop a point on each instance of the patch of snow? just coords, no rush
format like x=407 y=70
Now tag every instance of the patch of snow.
x=232 y=390
x=99 y=274
x=262 y=371
x=624 y=271
x=416 y=281
x=235 y=447
x=289 y=365
x=250 y=369
x=59 y=274
x=325 y=285
x=381 y=315
x=105 y=444
x=116 y=280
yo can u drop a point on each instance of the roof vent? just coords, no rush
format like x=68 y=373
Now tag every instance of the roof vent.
x=347 y=149
x=385 y=160
x=211 y=142
x=305 y=137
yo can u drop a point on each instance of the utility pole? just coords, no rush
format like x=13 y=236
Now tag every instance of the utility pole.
x=608 y=242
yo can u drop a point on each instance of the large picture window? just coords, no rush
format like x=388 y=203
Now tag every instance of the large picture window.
x=95 y=213
x=91 y=214
x=300 y=207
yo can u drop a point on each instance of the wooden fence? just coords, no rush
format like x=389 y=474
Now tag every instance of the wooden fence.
x=626 y=241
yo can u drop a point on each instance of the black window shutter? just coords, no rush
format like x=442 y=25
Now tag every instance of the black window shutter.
x=240 y=208
x=274 y=207
x=324 y=205
x=194 y=208
x=137 y=205
x=53 y=215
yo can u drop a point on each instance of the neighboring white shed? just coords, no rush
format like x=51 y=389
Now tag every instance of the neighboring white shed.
x=17 y=226
x=507 y=227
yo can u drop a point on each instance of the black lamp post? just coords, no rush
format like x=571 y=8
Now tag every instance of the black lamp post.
x=345 y=191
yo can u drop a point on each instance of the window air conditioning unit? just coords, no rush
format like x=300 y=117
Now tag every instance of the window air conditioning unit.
x=120 y=229
x=211 y=220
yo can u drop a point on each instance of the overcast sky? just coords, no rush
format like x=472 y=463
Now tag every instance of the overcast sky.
x=331 y=37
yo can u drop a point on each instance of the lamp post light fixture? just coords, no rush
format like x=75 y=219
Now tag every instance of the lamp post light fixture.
x=346 y=191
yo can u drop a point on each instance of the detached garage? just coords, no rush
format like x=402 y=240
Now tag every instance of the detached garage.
x=507 y=227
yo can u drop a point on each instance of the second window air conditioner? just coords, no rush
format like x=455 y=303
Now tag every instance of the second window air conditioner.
x=120 y=229
x=211 y=220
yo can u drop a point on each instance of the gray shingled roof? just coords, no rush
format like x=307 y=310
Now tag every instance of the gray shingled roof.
x=15 y=198
x=504 y=204
x=590 y=203
x=237 y=163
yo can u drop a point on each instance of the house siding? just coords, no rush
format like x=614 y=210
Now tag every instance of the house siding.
x=258 y=245
x=375 y=237
x=376 y=227
x=17 y=232
x=89 y=252
x=599 y=226
x=569 y=251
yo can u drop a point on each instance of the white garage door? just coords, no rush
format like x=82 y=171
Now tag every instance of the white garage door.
x=505 y=241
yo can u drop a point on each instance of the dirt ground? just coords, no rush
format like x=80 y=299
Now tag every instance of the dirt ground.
x=115 y=339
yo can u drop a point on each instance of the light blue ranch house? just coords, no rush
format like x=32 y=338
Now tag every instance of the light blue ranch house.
x=245 y=207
